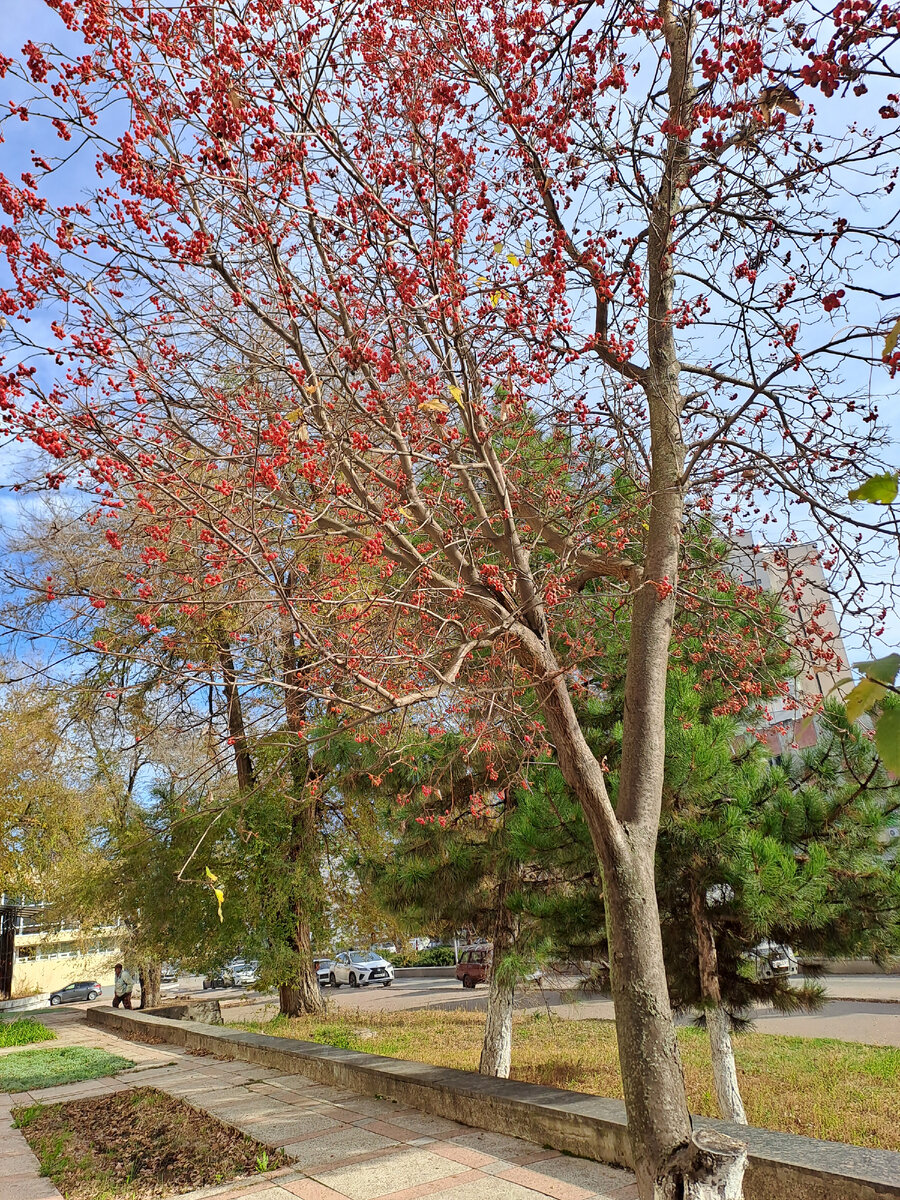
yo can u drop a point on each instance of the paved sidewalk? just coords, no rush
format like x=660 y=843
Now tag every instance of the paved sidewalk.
x=343 y=1146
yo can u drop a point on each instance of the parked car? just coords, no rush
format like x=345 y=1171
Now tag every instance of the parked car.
x=773 y=960
x=244 y=973
x=86 y=990
x=360 y=967
x=168 y=973
x=384 y=948
x=323 y=970
x=474 y=964
x=219 y=979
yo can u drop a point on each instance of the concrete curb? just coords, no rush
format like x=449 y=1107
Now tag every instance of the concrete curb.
x=783 y=1166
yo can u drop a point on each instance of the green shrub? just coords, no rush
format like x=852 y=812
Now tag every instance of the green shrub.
x=437 y=956
x=23 y=1031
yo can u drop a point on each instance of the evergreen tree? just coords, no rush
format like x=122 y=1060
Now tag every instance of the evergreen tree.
x=483 y=843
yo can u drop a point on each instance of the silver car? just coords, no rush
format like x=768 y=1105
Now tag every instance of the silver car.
x=323 y=971
x=360 y=968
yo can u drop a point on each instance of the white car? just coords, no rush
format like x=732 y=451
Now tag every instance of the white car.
x=774 y=961
x=360 y=967
x=244 y=973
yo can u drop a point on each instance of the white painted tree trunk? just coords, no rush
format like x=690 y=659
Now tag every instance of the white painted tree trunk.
x=717 y=1167
x=728 y=1092
x=496 y=1049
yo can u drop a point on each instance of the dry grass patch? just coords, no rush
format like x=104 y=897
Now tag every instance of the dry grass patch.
x=137 y=1145
x=843 y=1091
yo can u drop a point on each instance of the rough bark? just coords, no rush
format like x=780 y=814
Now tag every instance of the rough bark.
x=715 y=1170
x=150 y=979
x=300 y=994
x=237 y=732
x=301 y=997
x=496 y=1048
x=718 y=1026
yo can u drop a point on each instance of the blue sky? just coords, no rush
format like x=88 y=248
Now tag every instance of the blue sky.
x=30 y=19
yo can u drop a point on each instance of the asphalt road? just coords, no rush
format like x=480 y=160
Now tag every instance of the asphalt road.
x=864 y=1008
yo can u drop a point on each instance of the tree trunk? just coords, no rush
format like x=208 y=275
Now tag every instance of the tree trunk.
x=300 y=993
x=496 y=1048
x=150 y=978
x=237 y=732
x=728 y=1092
x=659 y=1123
x=718 y=1026
x=716 y=1170
x=301 y=997
x=652 y=1077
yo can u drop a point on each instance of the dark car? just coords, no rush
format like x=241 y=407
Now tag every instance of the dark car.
x=88 y=989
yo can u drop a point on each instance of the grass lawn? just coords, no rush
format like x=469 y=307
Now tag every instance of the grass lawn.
x=32 y=1069
x=137 y=1145
x=843 y=1091
x=23 y=1031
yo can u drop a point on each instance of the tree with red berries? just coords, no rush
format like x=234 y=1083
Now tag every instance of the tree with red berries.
x=417 y=288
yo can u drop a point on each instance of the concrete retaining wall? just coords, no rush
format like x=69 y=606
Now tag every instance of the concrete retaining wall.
x=851 y=966
x=424 y=972
x=782 y=1166
x=25 y=1003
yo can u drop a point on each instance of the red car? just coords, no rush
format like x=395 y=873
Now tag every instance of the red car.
x=474 y=964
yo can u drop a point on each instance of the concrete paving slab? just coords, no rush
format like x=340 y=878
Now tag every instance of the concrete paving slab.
x=393 y=1173
x=428 y=1126
x=332 y=1147
x=492 y=1188
x=280 y=1130
x=28 y=1187
x=498 y=1145
x=580 y=1172
x=555 y=1188
x=384 y=1110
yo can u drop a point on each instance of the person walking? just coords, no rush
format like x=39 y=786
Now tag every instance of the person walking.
x=124 y=986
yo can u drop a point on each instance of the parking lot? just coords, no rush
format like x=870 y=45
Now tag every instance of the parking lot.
x=862 y=1008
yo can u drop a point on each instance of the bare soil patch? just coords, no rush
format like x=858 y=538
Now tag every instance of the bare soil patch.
x=137 y=1145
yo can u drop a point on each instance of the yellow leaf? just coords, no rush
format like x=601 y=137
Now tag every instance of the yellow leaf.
x=866 y=693
x=433 y=406
x=528 y=245
x=890 y=342
x=495 y=299
x=482 y=279
x=212 y=878
x=512 y=260
x=498 y=247
x=456 y=393
x=294 y=415
x=220 y=897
